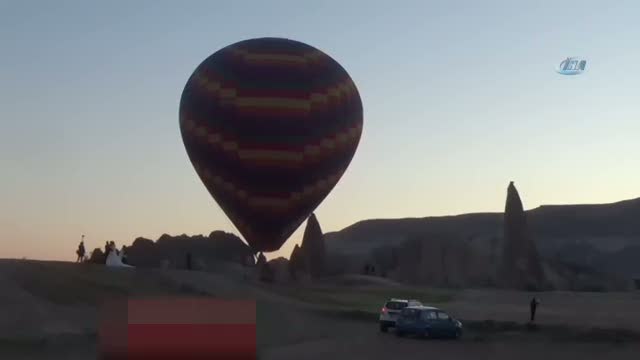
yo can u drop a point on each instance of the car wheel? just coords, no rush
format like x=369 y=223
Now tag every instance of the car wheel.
x=383 y=328
x=458 y=334
x=425 y=334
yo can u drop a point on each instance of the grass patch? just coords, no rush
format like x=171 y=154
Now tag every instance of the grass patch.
x=366 y=300
x=72 y=291
x=353 y=315
x=91 y=284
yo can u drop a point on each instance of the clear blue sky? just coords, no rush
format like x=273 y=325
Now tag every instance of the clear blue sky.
x=460 y=98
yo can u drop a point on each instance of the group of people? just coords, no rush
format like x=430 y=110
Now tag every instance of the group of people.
x=369 y=269
x=109 y=246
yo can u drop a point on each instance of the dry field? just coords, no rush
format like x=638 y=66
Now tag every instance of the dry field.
x=48 y=310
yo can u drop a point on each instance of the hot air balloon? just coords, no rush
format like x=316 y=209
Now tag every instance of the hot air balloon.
x=270 y=126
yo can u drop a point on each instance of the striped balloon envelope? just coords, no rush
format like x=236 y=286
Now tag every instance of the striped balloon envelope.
x=270 y=126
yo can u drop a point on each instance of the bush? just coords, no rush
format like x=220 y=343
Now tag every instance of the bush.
x=97 y=257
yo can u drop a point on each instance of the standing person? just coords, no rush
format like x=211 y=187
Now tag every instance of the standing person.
x=123 y=254
x=81 y=250
x=533 y=306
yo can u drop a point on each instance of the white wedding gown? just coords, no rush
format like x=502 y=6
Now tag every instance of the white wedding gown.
x=115 y=260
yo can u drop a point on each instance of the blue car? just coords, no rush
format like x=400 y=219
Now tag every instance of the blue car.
x=427 y=321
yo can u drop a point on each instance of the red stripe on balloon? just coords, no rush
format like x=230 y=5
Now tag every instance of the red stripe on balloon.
x=247 y=143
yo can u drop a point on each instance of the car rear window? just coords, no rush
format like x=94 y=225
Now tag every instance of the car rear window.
x=410 y=313
x=396 y=305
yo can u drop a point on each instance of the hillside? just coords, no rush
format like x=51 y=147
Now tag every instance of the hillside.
x=593 y=222
x=604 y=237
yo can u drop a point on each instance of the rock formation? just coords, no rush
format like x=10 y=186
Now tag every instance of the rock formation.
x=439 y=260
x=265 y=270
x=261 y=259
x=280 y=270
x=218 y=247
x=313 y=248
x=296 y=263
x=521 y=266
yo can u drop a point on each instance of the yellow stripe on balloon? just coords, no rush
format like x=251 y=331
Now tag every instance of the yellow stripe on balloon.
x=229 y=95
x=340 y=90
x=282 y=58
x=325 y=146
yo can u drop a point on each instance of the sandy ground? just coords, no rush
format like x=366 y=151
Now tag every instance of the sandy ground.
x=48 y=310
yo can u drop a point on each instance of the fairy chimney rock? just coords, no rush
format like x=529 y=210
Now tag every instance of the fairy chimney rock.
x=313 y=247
x=521 y=266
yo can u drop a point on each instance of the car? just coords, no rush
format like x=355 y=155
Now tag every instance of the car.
x=390 y=311
x=427 y=321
